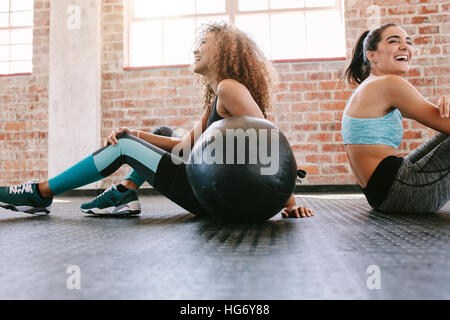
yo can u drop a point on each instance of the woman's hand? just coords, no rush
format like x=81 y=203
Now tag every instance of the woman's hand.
x=111 y=139
x=297 y=212
x=292 y=211
x=444 y=106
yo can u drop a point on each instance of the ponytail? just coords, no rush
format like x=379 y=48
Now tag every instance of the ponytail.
x=359 y=68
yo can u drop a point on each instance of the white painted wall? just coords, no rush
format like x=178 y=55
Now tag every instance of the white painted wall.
x=75 y=82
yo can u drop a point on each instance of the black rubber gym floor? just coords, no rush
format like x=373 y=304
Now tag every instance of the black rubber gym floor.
x=166 y=253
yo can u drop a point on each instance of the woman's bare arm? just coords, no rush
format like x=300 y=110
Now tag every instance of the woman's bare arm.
x=403 y=95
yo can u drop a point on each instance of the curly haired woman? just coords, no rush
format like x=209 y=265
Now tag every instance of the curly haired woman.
x=236 y=81
x=372 y=127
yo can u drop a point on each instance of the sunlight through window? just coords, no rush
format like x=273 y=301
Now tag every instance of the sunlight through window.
x=163 y=33
x=16 y=36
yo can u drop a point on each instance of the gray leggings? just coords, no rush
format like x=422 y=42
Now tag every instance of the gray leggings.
x=422 y=183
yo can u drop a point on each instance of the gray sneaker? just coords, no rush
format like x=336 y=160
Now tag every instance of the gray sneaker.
x=113 y=202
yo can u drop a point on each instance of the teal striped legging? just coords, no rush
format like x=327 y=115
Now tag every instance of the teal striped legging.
x=152 y=163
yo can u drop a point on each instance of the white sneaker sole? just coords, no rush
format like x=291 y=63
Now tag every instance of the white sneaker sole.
x=130 y=208
x=27 y=209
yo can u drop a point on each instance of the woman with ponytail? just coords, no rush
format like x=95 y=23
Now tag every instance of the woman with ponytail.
x=372 y=127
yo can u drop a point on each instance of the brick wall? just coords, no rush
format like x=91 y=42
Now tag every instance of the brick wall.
x=307 y=104
x=24 y=111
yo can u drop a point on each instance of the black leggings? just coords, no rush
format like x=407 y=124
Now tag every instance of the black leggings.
x=171 y=181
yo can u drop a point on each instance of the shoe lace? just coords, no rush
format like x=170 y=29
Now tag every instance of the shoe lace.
x=103 y=193
x=21 y=188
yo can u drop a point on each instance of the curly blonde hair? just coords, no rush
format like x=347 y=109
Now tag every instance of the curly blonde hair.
x=236 y=56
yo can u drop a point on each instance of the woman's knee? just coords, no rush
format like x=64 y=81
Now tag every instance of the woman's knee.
x=125 y=136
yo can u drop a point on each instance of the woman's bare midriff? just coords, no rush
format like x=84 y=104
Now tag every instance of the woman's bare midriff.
x=364 y=159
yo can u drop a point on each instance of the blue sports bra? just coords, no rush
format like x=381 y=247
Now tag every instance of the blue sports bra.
x=387 y=130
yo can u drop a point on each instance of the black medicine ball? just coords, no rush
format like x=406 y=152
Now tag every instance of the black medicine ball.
x=242 y=169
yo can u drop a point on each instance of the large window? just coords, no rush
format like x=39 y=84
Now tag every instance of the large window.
x=163 y=32
x=16 y=36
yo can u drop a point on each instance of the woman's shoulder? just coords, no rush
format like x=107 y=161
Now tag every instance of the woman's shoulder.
x=382 y=87
x=373 y=98
x=226 y=86
x=235 y=99
x=385 y=82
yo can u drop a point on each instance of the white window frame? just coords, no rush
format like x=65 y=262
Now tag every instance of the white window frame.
x=231 y=10
x=9 y=28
